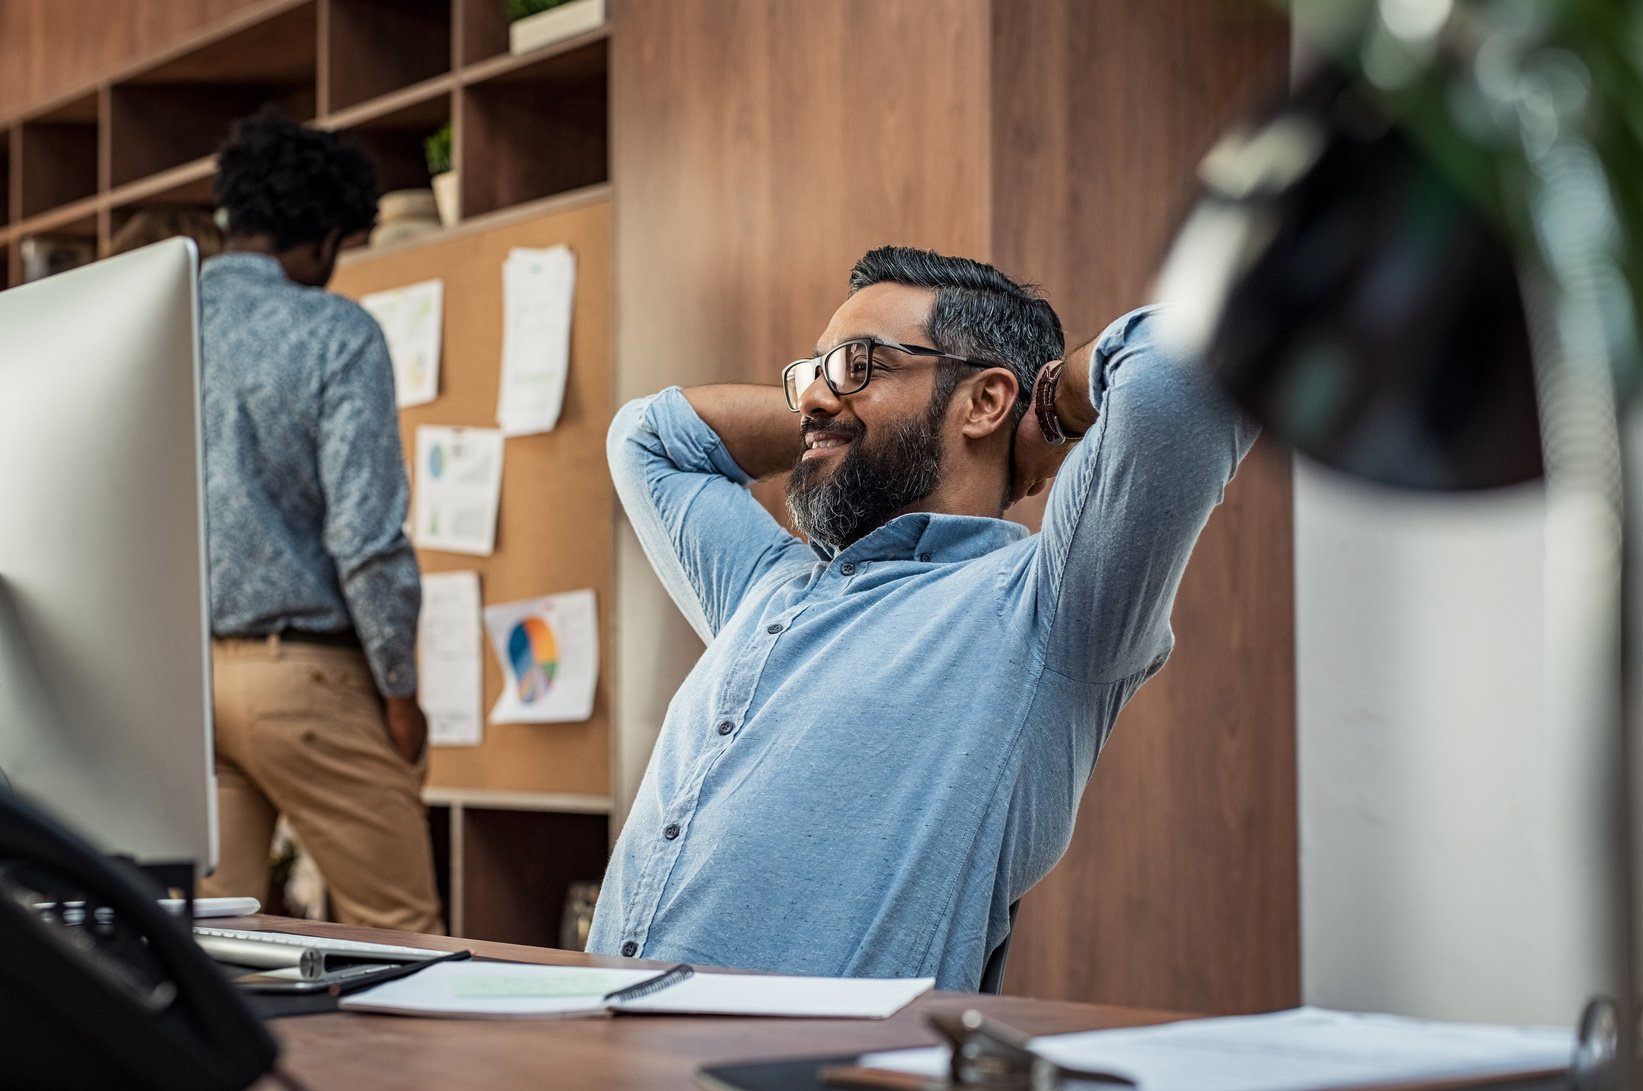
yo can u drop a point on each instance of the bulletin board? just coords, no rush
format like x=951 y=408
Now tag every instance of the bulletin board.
x=555 y=526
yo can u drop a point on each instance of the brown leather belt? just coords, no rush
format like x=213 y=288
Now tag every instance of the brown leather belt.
x=341 y=638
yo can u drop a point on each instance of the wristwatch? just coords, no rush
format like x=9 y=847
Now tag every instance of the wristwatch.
x=1049 y=378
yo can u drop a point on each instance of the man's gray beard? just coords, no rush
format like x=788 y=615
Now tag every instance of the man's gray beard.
x=867 y=488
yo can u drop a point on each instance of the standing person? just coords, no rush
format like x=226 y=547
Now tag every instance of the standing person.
x=314 y=587
x=884 y=744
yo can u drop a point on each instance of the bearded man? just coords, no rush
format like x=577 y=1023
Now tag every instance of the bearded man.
x=884 y=745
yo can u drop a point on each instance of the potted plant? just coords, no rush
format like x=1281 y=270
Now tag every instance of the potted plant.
x=535 y=23
x=437 y=148
x=522 y=9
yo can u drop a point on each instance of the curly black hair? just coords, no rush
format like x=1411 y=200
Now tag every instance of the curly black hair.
x=298 y=185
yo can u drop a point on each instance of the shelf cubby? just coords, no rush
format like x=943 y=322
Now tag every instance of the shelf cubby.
x=441 y=842
x=182 y=108
x=377 y=47
x=535 y=125
x=393 y=131
x=57 y=157
x=5 y=185
x=483 y=30
x=188 y=184
x=503 y=891
x=74 y=224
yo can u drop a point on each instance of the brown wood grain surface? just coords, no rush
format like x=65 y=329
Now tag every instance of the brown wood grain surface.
x=1180 y=888
x=357 y=1052
x=761 y=147
x=49 y=47
x=555 y=522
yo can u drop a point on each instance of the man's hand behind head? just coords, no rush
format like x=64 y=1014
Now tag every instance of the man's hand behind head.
x=1035 y=461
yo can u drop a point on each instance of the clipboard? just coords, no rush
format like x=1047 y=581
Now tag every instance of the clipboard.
x=805 y=1074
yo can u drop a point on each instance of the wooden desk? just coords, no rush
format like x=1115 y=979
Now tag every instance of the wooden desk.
x=355 y=1052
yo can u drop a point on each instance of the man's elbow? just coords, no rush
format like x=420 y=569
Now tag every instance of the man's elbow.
x=625 y=440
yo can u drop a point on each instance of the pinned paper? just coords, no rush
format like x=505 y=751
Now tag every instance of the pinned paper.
x=450 y=658
x=549 y=651
x=458 y=488
x=412 y=319
x=538 y=290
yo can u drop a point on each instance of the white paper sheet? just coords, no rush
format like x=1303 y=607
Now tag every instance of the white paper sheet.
x=549 y=652
x=496 y=990
x=458 y=488
x=538 y=290
x=507 y=990
x=412 y=319
x=1303 y=1049
x=794 y=997
x=450 y=667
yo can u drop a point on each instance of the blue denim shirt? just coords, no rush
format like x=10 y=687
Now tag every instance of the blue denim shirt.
x=305 y=485
x=884 y=747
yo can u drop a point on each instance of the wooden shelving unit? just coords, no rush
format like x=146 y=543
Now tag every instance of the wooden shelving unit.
x=530 y=139
x=484 y=843
x=390 y=72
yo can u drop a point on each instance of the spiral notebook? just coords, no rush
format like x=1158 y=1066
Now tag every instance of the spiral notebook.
x=479 y=989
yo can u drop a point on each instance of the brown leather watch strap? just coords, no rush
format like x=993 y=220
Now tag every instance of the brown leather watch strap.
x=1044 y=390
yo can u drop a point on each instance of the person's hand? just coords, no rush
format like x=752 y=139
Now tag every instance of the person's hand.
x=1035 y=461
x=407 y=727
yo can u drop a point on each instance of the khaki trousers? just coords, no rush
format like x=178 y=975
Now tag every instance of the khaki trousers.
x=300 y=732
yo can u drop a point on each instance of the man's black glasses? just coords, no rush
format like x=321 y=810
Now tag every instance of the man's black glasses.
x=848 y=366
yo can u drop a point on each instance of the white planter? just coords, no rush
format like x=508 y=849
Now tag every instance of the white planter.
x=555 y=24
x=448 y=198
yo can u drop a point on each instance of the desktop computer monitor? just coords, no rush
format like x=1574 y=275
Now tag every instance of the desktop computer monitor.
x=105 y=702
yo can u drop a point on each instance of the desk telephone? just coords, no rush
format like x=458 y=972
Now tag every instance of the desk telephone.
x=112 y=992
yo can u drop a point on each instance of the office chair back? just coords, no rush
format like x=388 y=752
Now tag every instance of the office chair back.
x=992 y=974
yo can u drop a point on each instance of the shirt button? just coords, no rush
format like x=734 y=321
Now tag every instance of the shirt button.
x=847 y=569
x=630 y=948
x=774 y=628
x=672 y=831
x=726 y=727
x=924 y=556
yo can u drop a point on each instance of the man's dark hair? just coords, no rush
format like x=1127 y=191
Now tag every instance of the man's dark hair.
x=979 y=312
x=278 y=178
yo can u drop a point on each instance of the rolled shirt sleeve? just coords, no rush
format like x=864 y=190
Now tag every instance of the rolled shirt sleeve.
x=706 y=535
x=362 y=471
x=1129 y=503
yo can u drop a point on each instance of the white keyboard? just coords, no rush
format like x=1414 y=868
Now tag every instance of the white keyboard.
x=352 y=947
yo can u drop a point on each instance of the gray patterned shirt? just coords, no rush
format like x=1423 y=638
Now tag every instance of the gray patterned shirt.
x=304 y=476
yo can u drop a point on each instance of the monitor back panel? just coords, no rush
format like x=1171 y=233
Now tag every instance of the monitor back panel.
x=104 y=632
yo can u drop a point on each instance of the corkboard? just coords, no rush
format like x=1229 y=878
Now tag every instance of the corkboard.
x=555 y=527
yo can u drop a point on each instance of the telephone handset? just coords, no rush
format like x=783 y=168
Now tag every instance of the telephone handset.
x=111 y=992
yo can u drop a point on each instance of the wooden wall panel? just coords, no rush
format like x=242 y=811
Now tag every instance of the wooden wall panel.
x=759 y=147
x=1180 y=889
x=49 y=47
